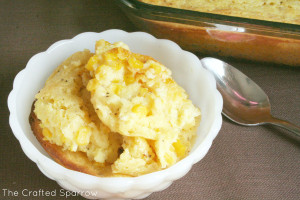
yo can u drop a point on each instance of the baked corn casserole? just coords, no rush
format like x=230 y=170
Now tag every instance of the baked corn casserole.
x=121 y=110
x=287 y=11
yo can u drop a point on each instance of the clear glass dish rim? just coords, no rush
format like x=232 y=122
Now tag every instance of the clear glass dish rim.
x=197 y=15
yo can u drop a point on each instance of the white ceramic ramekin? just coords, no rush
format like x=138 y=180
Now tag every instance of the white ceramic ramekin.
x=187 y=71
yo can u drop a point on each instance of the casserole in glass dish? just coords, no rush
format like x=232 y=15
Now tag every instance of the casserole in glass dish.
x=218 y=35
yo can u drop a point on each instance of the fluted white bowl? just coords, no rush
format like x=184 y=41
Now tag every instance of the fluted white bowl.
x=186 y=70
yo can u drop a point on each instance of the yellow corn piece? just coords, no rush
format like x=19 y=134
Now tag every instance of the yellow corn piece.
x=83 y=135
x=177 y=94
x=102 y=73
x=180 y=149
x=169 y=81
x=117 y=65
x=169 y=159
x=47 y=133
x=143 y=91
x=129 y=79
x=140 y=109
x=98 y=70
x=92 y=85
x=156 y=67
x=123 y=54
x=117 y=88
x=62 y=138
x=101 y=43
x=110 y=56
x=91 y=63
x=135 y=63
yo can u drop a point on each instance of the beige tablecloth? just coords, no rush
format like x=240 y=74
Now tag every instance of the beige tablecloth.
x=243 y=163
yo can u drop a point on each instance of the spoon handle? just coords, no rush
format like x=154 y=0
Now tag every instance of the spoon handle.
x=285 y=124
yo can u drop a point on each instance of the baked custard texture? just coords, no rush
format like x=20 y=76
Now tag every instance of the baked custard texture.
x=119 y=111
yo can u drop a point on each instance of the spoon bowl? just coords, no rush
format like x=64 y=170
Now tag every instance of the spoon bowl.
x=244 y=102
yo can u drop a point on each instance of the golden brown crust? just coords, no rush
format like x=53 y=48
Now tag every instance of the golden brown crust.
x=77 y=161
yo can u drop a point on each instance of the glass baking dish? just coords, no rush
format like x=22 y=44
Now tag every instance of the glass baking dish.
x=218 y=35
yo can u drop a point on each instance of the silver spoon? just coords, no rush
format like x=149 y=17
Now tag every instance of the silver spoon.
x=244 y=102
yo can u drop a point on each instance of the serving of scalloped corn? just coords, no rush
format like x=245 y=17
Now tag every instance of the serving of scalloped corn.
x=121 y=108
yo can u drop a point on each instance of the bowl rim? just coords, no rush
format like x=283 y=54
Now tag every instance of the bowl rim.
x=36 y=156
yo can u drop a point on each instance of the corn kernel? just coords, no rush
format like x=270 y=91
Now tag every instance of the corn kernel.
x=169 y=81
x=62 y=138
x=47 y=133
x=178 y=93
x=180 y=149
x=91 y=63
x=92 y=85
x=129 y=79
x=116 y=65
x=122 y=54
x=110 y=56
x=143 y=91
x=175 y=93
x=135 y=63
x=83 y=135
x=117 y=88
x=101 y=43
x=156 y=67
x=140 y=109
x=72 y=147
x=102 y=75
x=169 y=159
x=98 y=70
